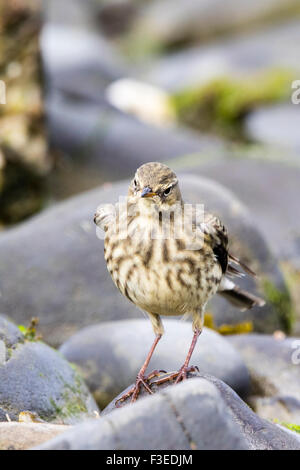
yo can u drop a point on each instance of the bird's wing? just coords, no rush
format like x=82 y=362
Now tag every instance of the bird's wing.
x=215 y=234
x=105 y=215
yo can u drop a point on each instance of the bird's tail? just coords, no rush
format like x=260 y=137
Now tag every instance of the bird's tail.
x=238 y=297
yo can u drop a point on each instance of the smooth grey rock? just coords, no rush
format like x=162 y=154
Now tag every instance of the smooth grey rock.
x=271 y=48
x=110 y=355
x=274 y=369
x=276 y=125
x=201 y=413
x=113 y=144
x=61 y=276
x=163 y=22
x=36 y=378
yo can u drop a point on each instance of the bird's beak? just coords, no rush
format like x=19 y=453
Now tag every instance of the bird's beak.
x=147 y=192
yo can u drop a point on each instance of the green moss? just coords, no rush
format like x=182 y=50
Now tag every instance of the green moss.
x=292 y=427
x=58 y=409
x=281 y=301
x=71 y=404
x=221 y=104
x=29 y=332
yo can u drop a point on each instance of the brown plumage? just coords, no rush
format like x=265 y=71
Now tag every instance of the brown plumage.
x=167 y=257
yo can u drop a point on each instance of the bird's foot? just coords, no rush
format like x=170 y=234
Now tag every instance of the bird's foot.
x=177 y=376
x=141 y=380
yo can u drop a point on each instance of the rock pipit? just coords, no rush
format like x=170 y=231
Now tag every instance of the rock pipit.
x=168 y=257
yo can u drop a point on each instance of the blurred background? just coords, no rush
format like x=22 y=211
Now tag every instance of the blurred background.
x=95 y=88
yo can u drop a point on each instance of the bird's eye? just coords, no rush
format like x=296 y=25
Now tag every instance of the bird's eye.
x=167 y=191
x=135 y=183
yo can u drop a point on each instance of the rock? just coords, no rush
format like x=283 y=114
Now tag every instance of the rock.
x=283 y=409
x=36 y=378
x=105 y=139
x=9 y=333
x=78 y=61
x=201 y=413
x=163 y=23
x=22 y=436
x=234 y=58
x=275 y=125
x=110 y=355
x=274 y=368
x=61 y=276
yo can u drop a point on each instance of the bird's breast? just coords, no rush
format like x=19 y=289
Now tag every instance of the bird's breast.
x=160 y=275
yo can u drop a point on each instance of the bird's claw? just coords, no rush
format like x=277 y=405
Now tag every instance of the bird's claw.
x=178 y=376
x=141 y=380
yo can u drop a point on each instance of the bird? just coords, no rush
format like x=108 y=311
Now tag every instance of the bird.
x=168 y=258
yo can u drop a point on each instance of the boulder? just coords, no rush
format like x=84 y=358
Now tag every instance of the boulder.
x=202 y=413
x=112 y=144
x=61 y=276
x=276 y=125
x=36 y=378
x=109 y=355
x=274 y=369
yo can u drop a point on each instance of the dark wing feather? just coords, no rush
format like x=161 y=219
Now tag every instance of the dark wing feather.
x=237 y=262
x=217 y=234
x=216 y=231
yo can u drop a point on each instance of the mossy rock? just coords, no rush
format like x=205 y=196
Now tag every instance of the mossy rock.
x=34 y=377
x=222 y=103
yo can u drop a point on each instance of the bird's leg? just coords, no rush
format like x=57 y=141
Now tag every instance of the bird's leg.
x=141 y=378
x=183 y=371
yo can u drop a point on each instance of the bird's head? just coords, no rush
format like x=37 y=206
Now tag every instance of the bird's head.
x=155 y=183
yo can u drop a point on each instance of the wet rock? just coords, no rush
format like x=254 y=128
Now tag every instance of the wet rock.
x=274 y=369
x=61 y=276
x=22 y=436
x=275 y=125
x=110 y=355
x=36 y=378
x=249 y=54
x=201 y=413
